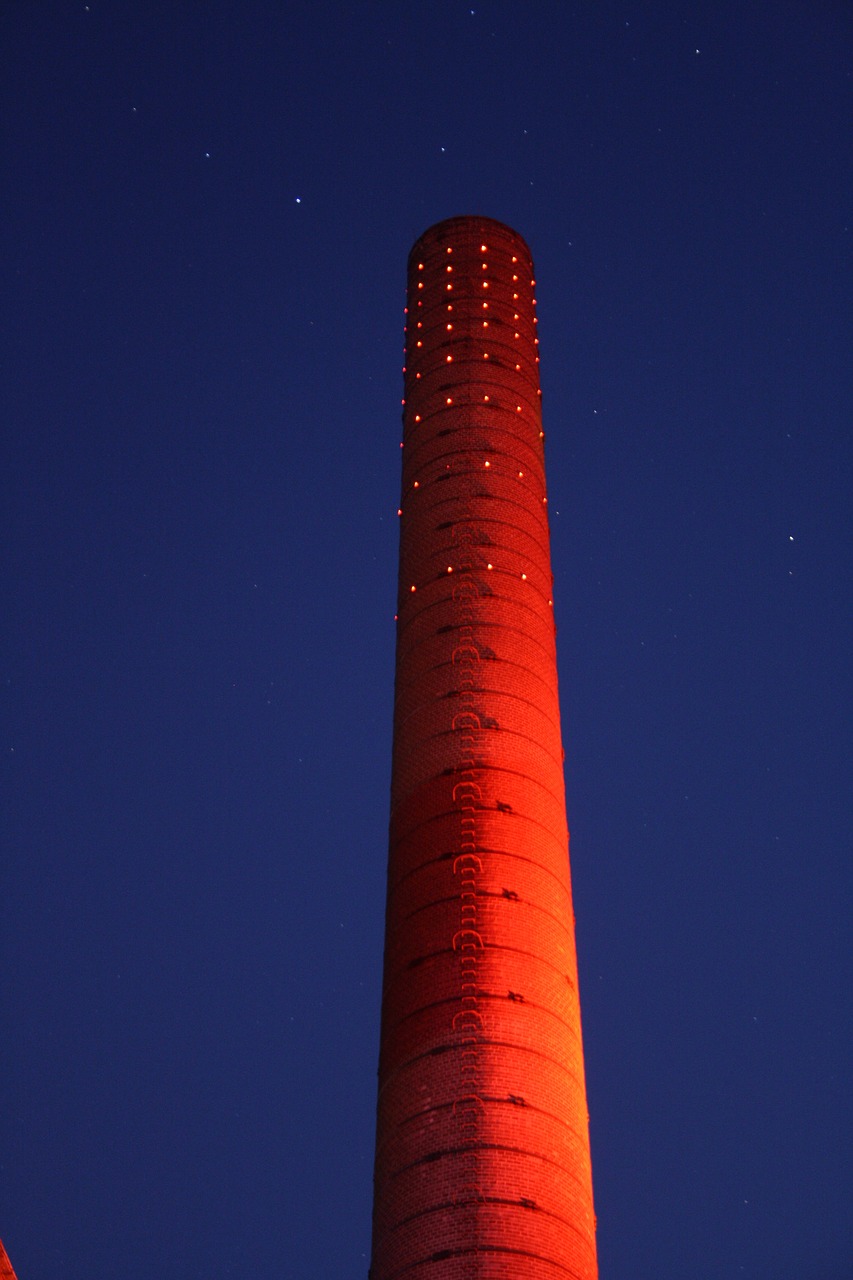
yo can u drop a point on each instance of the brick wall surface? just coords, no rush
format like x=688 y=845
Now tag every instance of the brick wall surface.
x=482 y=1159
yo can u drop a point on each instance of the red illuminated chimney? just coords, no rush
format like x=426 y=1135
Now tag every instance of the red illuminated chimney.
x=482 y=1151
x=6 y=1271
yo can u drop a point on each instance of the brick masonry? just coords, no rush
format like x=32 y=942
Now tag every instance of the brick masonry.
x=482 y=1159
x=6 y=1271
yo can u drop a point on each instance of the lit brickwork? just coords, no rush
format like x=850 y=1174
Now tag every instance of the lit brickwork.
x=6 y=1271
x=482 y=1160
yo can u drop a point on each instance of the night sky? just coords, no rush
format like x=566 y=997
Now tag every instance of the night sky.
x=206 y=213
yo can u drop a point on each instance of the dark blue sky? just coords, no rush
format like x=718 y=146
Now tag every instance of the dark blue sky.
x=207 y=209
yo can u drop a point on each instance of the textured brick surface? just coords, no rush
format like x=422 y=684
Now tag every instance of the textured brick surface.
x=482 y=1159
